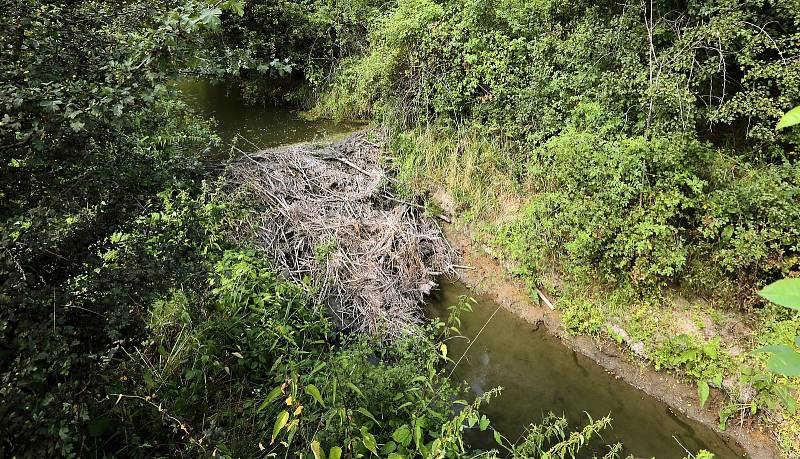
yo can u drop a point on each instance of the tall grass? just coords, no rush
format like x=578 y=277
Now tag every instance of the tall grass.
x=479 y=173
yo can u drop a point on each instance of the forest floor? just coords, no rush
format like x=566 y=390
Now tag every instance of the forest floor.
x=490 y=277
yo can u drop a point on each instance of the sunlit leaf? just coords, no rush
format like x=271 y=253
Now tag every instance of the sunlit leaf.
x=335 y=453
x=775 y=348
x=703 y=391
x=370 y=443
x=483 y=423
x=498 y=438
x=785 y=292
x=789 y=119
x=314 y=392
x=280 y=422
x=402 y=435
x=273 y=394
x=210 y=18
x=389 y=447
x=317 y=450
x=785 y=363
x=76 y=125
x=366 y=413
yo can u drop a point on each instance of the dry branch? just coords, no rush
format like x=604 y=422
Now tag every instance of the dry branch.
x=329 y=212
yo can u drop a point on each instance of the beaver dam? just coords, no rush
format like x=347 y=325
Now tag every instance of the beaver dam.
x=329 y=215
x=538 y=372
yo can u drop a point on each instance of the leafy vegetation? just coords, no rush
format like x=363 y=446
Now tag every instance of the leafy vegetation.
x=622 y=150
x=784 y=359
x=630 y=143
x=131 y=326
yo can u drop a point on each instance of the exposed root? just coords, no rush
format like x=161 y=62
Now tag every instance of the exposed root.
x=329 y=213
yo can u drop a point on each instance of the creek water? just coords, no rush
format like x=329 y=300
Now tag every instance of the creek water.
x=538 y=373
x=254 y=127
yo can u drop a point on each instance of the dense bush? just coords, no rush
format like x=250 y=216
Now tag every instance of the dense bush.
x=90 y=133
x=526 y=66
x=640 y=137
x=646 y=209
x=278 y=50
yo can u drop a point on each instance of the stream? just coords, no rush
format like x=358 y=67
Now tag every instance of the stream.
x=539 y=374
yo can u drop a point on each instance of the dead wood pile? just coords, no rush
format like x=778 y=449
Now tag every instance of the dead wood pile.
x=329 y=212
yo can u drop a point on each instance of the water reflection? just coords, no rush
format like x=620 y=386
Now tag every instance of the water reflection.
x=539 y=375
x=258 y=126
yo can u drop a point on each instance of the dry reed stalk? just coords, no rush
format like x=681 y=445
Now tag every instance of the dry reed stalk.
x=330 y=213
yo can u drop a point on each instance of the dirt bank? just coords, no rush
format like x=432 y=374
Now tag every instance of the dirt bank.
x=489 y=277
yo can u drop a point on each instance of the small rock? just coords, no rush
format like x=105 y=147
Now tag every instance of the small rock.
x=746 y=394
x=638 y=348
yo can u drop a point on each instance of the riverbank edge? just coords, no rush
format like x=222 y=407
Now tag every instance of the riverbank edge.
x=487 y=276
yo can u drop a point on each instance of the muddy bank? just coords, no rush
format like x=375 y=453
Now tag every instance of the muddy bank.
x=488 y=277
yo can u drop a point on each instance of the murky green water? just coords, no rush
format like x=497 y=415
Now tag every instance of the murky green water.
x=254 y=127
x=539 y=374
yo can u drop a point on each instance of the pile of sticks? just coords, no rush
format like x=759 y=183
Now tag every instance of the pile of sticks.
x=329 y=213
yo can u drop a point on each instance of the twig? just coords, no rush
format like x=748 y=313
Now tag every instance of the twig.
x=545 y=300
x=463 y=267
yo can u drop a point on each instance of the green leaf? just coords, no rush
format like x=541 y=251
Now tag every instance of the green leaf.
x=210 y=18
x=280 y=422
x=483 y=423
x=703 y=391
x=389 y=447
x=317 y=368
x=370 y=443
x=395 y=456
x=498 y=438
x=314 y=392
x=317 y=450
x=366 y=413
x=785 y=363
x=237 y=6
x=786 y=398
x=355 y=389
x=785 y=292
x=335 y=453
x=273 y=394
x=790 y=118
x=775 y=348
x=402 y=435
x=710 y=350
